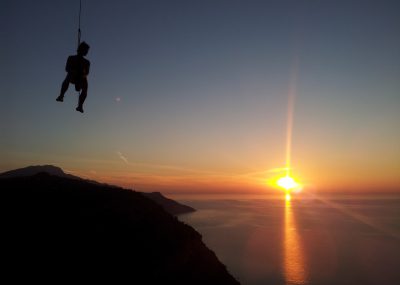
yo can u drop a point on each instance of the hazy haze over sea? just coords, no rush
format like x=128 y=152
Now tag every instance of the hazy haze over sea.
x=335 y=239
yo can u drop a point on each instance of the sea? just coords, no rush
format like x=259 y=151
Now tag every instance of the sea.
x=304 y=239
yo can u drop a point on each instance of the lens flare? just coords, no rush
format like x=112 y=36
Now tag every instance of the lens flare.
x=287 y=183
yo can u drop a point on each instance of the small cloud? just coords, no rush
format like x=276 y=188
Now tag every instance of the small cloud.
x=118 y=99
x=282 y=169
x=121 y=156
x=93 y=172
x=68 y=171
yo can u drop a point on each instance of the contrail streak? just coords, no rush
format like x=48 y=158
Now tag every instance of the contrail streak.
x=291 y=103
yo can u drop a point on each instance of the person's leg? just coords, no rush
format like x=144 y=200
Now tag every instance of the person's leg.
x=64 y=88
x=83 y=95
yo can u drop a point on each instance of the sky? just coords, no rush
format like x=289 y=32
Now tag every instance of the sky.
x=197 y=95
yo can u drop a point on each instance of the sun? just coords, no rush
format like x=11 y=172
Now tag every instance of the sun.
x=287 y=183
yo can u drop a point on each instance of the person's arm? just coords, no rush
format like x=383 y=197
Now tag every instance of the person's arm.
x=68 y=66
x=87 y=67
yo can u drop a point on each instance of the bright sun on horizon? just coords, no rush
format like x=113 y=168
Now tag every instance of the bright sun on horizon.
x=289 y=185
x=287 y=182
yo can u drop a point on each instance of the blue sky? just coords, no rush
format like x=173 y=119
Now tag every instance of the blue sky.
x=202 y=86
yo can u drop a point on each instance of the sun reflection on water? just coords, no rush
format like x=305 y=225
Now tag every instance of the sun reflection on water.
x=294 y=261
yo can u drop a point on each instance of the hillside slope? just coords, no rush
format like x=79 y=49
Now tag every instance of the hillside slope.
x=56 y=229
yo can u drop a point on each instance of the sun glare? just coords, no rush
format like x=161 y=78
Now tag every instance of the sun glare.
x=287 y=183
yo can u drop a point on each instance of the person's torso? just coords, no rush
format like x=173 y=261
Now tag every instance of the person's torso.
x=78 y=64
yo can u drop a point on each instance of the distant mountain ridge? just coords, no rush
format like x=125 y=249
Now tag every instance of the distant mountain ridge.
x=57 y=229
x=35 y=169
x=169 y=205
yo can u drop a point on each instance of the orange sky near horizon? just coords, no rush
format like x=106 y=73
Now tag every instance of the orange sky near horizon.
x=319 y=172
x=322 y=177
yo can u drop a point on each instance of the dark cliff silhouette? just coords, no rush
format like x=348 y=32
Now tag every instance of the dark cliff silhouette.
x=169 y=205
x=57 y=229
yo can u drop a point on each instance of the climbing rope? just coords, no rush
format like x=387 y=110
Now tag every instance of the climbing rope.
x=79 y=23
x=79 y=30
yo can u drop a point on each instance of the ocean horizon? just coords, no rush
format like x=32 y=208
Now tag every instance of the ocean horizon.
x=309 y=239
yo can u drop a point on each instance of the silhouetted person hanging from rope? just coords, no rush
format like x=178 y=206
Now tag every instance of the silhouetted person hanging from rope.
x=78 y=68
